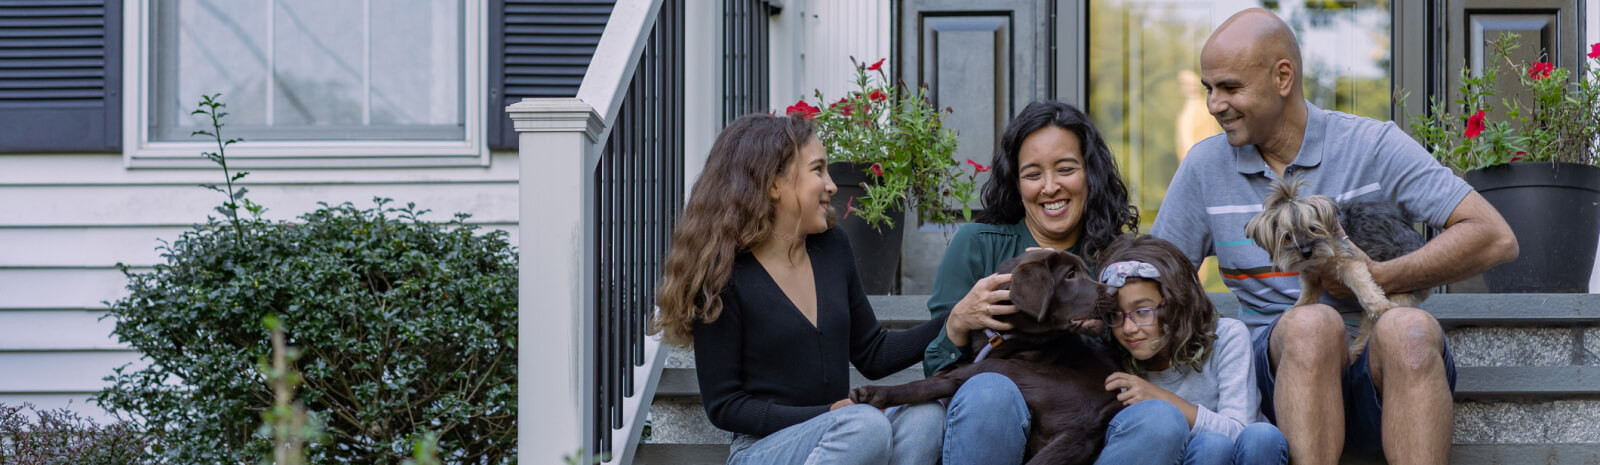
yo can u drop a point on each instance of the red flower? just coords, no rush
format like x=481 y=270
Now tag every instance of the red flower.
x=877 y=170
x=1475 y=125
x=1594 y=50
x=877 y=65
x=806 y=111
x=1518 y=157
x=847 y=106
x=1540 y=70
x=878 y=95
x=977 y=167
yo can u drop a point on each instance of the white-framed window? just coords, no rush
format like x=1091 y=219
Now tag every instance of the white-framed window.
x=308 y=83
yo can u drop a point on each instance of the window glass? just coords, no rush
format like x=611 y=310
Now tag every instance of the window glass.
x=310 y=69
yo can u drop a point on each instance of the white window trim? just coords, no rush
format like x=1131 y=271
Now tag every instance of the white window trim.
x=140 y=152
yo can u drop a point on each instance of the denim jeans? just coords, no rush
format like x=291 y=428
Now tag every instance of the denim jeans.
x=1259 y=443
x=988 y=422
x=1149 y=432
x=858 y=434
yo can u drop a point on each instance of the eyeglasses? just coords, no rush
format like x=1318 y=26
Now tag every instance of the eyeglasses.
x=1145 y=316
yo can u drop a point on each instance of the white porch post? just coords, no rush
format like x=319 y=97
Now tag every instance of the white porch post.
x=558 y=140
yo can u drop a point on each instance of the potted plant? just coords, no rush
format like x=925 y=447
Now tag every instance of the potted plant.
x=890 y=151
x=1539 y=165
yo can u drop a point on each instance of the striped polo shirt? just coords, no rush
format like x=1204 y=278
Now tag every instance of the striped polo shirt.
x=1219 y=187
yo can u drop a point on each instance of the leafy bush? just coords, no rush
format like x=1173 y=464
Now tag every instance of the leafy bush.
x=403 y=326
x=59 y=436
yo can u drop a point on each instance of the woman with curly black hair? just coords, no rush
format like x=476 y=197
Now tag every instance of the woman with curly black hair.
x=1055 y=185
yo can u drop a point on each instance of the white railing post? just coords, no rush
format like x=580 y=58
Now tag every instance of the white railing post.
x=559 y=143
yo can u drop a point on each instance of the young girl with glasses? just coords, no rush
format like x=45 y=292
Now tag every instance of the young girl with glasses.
x=1186 y=368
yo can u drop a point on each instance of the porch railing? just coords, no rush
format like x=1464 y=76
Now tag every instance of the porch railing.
x=601 y=184
x=745 y=64
x=638 y=195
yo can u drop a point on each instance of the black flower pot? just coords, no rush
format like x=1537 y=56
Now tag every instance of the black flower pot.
x=877 y=250
x=1554 y=209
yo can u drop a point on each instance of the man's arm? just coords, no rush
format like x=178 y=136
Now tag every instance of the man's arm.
x=1475 y=239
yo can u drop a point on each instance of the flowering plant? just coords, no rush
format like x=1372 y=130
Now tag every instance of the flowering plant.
x=897 y=135
x=1561 y=124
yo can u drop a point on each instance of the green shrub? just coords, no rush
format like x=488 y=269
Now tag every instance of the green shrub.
x=61 y=437
x=403 y=326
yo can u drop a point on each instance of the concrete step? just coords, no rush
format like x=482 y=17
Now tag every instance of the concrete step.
x=681 y=382
x=1463 y=454
x=1528 y=388
x=1472 y=383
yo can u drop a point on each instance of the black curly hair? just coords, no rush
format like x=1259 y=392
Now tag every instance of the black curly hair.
x=1107 y=213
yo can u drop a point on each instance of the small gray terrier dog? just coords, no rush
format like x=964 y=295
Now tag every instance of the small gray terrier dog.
x=1314 y=236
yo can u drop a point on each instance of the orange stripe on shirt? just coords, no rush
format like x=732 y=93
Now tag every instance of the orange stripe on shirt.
x=1278 y=274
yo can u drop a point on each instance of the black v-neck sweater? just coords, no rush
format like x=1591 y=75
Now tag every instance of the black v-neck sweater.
x=762 y=365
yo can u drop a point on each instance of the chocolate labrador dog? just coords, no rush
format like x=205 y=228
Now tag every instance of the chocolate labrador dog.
x=1060 y=370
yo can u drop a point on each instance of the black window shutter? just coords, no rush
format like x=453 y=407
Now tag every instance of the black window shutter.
x=60 y=76
x=538 y=48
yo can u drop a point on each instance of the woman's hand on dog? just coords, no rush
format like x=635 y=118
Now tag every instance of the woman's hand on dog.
x=977 y=310
x=1136 y=389
x=842 y=403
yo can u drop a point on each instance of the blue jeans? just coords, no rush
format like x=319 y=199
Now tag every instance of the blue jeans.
x=1148 y=432
x=858 y=434
x=1259 y=443
x=988 y=422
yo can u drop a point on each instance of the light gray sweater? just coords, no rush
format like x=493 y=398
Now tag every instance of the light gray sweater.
x=1224 y=390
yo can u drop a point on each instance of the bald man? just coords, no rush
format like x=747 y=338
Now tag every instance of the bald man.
x=1396 y=396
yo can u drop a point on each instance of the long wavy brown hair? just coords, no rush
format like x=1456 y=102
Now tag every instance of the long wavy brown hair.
x=1187 y=317
x=729 y=212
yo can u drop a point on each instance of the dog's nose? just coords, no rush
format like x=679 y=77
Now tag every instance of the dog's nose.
x=1305 y=251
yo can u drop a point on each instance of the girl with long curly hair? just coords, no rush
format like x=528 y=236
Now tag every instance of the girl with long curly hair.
x=1188 y=372
x=763 y=287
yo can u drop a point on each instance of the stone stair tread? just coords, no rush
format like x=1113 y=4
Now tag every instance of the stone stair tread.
x=1461 y=454
x=681 y=382
x=1524 y=381
x=1452 y=310
x=1543 y=382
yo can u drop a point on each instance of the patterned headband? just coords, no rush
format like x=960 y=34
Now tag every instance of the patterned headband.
x=1117 y=274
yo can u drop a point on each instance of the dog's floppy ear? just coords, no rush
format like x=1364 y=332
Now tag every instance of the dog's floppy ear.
x=1259 y=229
x=1032 y=285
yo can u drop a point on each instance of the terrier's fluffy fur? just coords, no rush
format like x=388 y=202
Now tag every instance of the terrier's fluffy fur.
x=1308 y=236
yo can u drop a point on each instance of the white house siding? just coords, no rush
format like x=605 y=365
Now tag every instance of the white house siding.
x=837 y=30
x=66 y=220
x=812 y=42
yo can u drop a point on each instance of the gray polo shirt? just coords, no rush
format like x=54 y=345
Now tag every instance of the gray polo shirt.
x=1218 y=188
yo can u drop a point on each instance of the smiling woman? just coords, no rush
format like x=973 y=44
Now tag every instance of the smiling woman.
x=1054 y=184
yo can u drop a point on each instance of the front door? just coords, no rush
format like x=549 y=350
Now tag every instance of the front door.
x=984 y=60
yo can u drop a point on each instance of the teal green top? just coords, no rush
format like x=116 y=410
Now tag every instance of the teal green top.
x=974 y=252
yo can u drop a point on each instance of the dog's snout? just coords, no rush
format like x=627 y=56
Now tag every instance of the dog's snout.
x=1305 y=251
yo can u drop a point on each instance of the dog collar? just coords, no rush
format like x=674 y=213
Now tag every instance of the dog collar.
x=995 y=339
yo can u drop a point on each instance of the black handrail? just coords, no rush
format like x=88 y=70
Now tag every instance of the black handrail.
x=638 y=195
x=745 y=61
